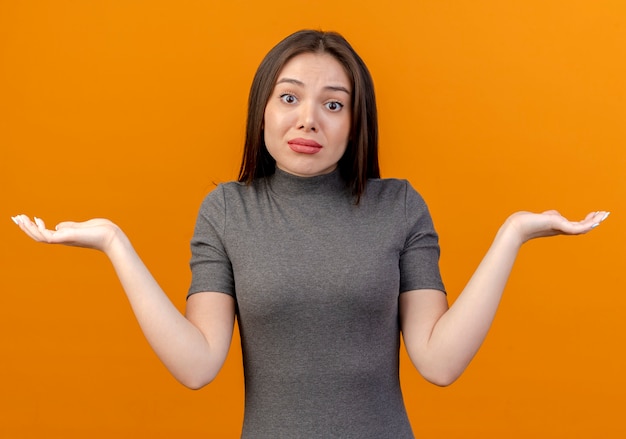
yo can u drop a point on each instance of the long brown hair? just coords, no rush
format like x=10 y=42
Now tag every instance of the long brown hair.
x=360 y=161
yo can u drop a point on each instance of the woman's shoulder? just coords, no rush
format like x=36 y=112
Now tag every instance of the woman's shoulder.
x=233 y=193
x=390 y=186
x=223 y=188
x=394 y=193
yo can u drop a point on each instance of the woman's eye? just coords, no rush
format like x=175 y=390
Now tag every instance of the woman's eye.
x=334 y=106
x=287 y=98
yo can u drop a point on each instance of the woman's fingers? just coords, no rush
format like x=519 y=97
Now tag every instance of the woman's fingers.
x=40 y=224
x=36 y=230
x=591 y=221
x=599 y=217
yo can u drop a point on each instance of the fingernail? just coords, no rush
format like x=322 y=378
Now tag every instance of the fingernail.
x=606 y=215
x=15 y=220
x=593 y=226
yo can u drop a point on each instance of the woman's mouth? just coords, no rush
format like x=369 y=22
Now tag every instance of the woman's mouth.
x=304 y=146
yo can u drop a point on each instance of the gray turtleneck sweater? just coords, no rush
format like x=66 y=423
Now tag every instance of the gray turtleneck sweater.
x=316 y=279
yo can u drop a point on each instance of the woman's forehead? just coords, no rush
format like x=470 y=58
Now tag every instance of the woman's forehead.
x=314 y=68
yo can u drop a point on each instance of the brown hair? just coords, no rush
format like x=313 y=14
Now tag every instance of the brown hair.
x=360 y=161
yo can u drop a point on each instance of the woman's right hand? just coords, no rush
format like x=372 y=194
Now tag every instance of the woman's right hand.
x=96 y=233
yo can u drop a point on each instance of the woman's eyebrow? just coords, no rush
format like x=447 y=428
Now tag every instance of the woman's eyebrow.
x=290 y=81
x=338 y=88
x=301 y=84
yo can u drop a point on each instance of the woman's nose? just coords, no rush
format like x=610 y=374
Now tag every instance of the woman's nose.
x=308 y=117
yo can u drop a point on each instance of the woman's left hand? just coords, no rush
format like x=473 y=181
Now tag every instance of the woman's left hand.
x=549 y=223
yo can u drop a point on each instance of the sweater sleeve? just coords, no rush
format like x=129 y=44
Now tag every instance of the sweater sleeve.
x=419 y=259
x=211 y=269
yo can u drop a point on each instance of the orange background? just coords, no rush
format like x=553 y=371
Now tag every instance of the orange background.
x=132 y=110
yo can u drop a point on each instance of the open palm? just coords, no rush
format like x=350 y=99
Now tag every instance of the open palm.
x=95 y=233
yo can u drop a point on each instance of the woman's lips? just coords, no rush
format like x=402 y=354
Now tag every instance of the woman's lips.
x=304 y=146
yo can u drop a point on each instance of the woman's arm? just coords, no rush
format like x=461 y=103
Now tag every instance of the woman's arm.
x=440 y=341
x=193 y=348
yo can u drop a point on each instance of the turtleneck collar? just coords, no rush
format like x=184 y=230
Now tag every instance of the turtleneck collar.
x=285 y=184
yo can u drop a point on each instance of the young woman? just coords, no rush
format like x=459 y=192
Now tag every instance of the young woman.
x=323 y=263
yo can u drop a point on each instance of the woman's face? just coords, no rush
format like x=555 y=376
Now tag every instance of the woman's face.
x=307 y=117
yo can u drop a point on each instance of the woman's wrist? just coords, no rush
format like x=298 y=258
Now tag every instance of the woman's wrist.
x=115 y=241
x=512 y=232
